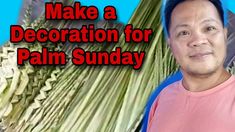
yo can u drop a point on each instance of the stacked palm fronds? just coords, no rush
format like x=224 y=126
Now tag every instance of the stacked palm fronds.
x=83 y=98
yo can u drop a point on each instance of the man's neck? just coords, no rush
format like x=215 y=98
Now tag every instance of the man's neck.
x=202 y=83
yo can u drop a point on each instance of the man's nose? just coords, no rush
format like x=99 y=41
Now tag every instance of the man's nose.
x=198 y=39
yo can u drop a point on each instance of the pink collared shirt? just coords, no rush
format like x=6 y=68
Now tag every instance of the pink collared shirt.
x=179 y=110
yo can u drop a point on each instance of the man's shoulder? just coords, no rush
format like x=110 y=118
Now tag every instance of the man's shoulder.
x=172 y=88
x=166 y=92
x=232 y=82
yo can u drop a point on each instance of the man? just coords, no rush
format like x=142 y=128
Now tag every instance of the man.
x=204 y=100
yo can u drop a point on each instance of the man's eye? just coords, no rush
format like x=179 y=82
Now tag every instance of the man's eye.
x=183 y=33
x=210 y=28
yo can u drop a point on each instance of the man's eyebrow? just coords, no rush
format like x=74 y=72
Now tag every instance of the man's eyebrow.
x=181 y=25
x=204 y=21
x=210 y=20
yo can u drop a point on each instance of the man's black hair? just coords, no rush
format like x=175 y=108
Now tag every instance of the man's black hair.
x=171 y=4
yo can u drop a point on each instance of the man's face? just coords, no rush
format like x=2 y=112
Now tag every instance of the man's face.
x=197 y=37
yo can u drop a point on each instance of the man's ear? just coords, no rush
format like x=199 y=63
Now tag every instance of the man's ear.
x=225 y=32
x=168 y=41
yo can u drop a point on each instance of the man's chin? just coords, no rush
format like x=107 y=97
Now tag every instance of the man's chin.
x=203 y=72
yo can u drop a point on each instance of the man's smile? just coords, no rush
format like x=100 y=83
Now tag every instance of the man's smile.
x=201 y=55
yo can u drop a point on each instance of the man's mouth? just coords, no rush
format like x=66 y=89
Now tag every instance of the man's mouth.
x=200 y=55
